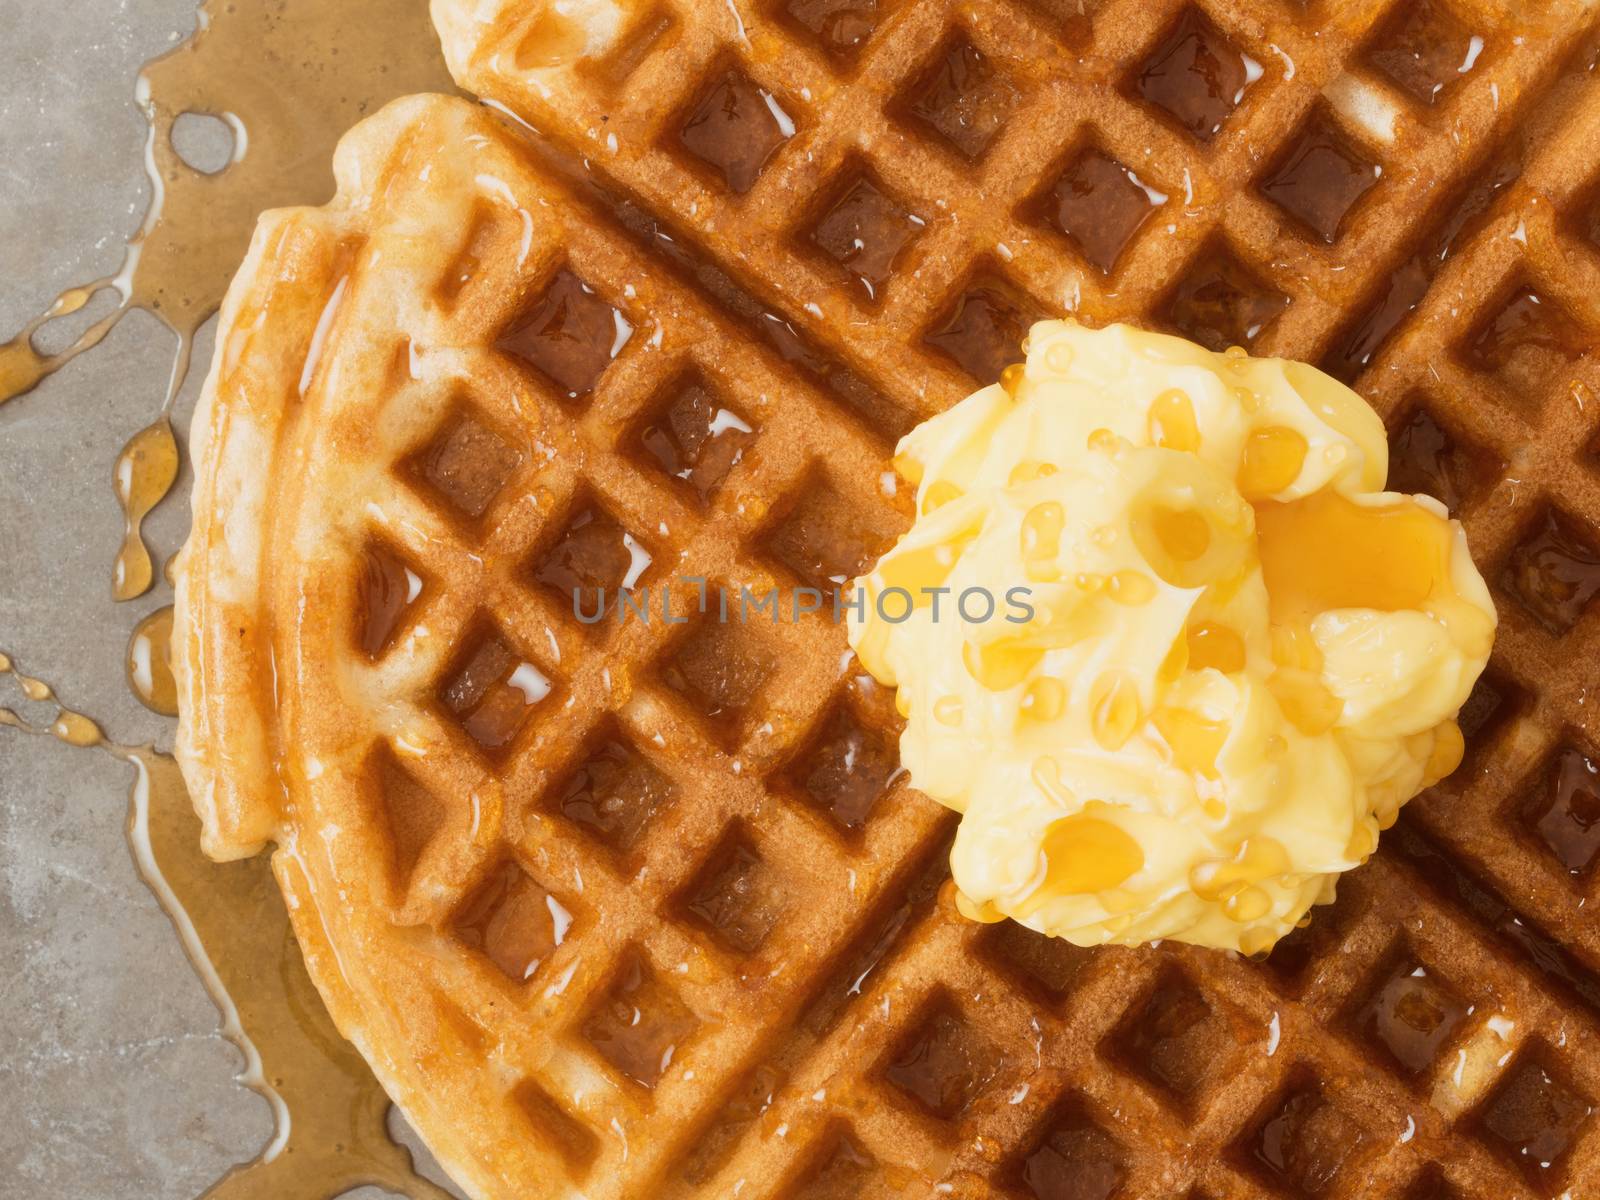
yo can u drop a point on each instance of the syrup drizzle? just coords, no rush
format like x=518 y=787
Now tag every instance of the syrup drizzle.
x=340 y=62
x=149 y=663
x=145 y=471
x=330 y=1113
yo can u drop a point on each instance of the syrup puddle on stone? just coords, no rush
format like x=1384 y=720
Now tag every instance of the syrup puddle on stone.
x=339 y=61
x=330 y=1115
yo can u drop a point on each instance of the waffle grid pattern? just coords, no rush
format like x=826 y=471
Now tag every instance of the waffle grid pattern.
x=683 y=1036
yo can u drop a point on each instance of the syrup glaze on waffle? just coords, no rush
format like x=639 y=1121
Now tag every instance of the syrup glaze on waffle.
x=720 y=963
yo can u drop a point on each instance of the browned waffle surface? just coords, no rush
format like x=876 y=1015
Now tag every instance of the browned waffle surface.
x=645 y=910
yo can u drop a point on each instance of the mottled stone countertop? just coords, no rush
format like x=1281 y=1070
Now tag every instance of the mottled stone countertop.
x=115 y=1080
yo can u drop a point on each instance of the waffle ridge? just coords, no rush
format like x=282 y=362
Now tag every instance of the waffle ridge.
x=748 y=976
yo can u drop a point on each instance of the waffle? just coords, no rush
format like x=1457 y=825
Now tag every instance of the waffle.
x=676 y=926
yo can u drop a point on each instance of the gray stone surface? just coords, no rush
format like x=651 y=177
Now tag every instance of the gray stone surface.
x=114 y=1082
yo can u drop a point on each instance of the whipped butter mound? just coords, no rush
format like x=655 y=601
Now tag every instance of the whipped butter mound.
x=1220 y=656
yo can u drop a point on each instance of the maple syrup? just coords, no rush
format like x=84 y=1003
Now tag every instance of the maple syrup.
x=846 y=770
x=513 y=921
x=1217 y=646
x=1114 y=709
x=1564 y=811
x=639 y=1024
x=1424 y=49
x=144 y=473
x=570 y=336
x=1169 y=1038
x=734 y=898
x=1306 y=1142
x=734 y=128
x=963 y=97
x=1321 y=178
x=1406 y=285
x=149 y=663
x=751 y=1098
x=331 y=1115
x=841 y=26
x=945 y=1064
x=1554 y=570
x=1405 y=555
x=983 y=328
x=1086 y=854
x=492 y=691
x=1533 y=1117
x=1424 y=457
x=1219 y=302
x=1196 y=76
x=1077 y=1160
x=339 y=62
x=385 y=591
x=1172 y=423
x=1527 y=341
x=865 y=230
x=1412 y=1015
x=592 y=557
x=1272 y=460
x=614 y=792
x=1099 y=205
x=696 y=440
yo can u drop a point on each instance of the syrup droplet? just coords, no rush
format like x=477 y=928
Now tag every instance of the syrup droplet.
x=1272 y=460
x=1183 y=534
x=1041 y=541
x=1000 y=665
x=1449 y=746
x=1131 y=588
x=1258 y=858
x=1257 y=942
x=1059 y=357
x=144 y=473
x=948 y=710
x=1215 y=646
x=1027 y=472
x=149 y=663
x=940 y=492
x=1363 y=841
x=1249 y=903
x=1085 y=854
x=1045 y=699
x=1172 y=422
x=1195 y=741
x=1310 y=707
x=921 y=569
x=75 y=729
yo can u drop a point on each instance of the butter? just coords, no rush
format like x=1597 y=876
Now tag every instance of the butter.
x=1240 y=655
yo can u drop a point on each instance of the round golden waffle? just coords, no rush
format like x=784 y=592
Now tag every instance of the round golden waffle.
x=631 y=909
